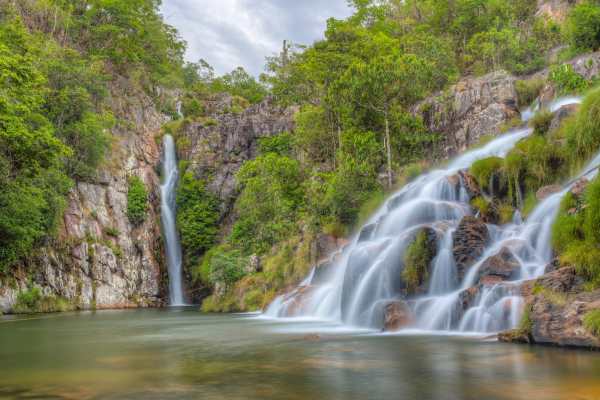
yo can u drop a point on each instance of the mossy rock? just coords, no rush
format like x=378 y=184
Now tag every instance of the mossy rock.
x=417 y=261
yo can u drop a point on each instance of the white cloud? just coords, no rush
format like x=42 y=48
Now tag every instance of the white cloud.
x=232 y=33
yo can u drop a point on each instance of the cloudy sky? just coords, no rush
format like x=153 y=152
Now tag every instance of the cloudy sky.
x=231 y=33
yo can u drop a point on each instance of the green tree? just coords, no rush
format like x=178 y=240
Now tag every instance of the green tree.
x=137 y=200
x=583 y=26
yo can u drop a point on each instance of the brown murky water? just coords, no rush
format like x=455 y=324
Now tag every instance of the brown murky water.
x=183 y=354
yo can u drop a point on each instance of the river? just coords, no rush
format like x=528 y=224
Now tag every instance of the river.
x=181 y=353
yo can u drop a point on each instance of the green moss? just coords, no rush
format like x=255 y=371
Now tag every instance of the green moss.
x=591 y=322
x=526 y=324
x=505 y=213
x=33 y=301
x=417 y=258
x=541 y=122
x=112 y=231
x=489 y=172
x=528 y=90
x=554 y=297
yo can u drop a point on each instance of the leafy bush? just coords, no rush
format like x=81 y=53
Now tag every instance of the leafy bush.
x=223 y=265
x=583 y=26
x=137 y=201
x=567 y=80
x=591 y=322
x=281 y=144
x=197 y=217
x=269 y=202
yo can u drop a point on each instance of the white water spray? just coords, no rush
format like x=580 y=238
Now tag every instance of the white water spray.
x=168 y=217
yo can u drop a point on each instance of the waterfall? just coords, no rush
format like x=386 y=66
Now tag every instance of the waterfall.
x=168 y=217
x=366 y=276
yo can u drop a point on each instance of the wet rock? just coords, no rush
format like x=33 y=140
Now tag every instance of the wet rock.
x=325 y=246
x=367 y=232
x=579 y=187
x=546 y=191
x=557 y=305
x=297 y=300
x=502 y=266
x=561 y=114
x=470 y=239
x=470 y=184
x=397 y=315
x=253 y=265
x=323 y=272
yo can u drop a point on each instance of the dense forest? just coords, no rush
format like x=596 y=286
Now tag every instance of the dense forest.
x=356 y=137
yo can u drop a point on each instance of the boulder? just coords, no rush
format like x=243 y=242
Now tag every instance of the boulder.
x=470 y=184
x=500 y=267
x=547 y=191
x=397 y=315
x=579 y=187
x=469 y=241
x=557 y=304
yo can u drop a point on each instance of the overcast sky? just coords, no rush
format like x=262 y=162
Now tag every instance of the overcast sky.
x=232 y=33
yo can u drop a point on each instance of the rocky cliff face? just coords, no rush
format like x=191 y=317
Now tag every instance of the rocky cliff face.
x=217 y=149
x=98 y=258
x=469 y=110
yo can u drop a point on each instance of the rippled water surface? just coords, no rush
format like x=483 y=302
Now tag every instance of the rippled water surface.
x=183 y=354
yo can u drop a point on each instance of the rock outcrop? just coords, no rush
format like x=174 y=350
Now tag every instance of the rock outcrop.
x=470 y=239
x=216 y=148
x=99 y=259
x=555 y=308
x=469 y=110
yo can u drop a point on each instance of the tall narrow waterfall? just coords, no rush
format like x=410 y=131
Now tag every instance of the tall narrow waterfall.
x=366 y=276
x=168 y=217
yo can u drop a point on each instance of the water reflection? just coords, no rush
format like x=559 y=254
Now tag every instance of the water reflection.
x=157 y=354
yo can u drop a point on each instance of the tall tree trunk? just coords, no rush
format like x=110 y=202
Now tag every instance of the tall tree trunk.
x=388 y=148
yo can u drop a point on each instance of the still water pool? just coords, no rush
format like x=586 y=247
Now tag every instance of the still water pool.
x=183 y=354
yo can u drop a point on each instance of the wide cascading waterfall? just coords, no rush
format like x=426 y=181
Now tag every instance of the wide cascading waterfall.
x=168 y=217
x=365 y=277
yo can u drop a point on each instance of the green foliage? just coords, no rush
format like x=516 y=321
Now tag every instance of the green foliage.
x=541 y=122
x=591 y=322
x=490 y=174
x=137 y=201
x=567 y=80
x=223 y=265
x=528 y=90
x=197 y=217
x=575 y=233
x=268 y=205
x=282 y=144
x=583 y=26
x=239 y=83
x=34 y=301
x=583 y=133
x=417 y=258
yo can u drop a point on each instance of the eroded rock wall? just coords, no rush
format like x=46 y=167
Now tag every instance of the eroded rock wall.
x=99 y=259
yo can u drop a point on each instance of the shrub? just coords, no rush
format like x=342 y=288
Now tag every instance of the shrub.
x=528 y=90
x=591 y=322
x=417 y=257
x=34 y=301
x=137 y=201
x=583 y=26
x=567 y=80
x=541 y=122
x=224 y=266
x=583 y=133
x=197 y=217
